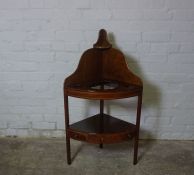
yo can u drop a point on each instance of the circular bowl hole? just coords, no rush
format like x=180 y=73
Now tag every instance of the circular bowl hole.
x=104 y=86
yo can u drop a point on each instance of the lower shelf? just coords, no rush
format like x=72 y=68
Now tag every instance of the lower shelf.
x=101 y=129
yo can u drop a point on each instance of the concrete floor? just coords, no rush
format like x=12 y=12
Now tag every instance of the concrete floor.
x=48 y=157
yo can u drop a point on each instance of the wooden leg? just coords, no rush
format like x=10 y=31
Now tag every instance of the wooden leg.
x=136 y=138
x=101 y=117
x=68 y=149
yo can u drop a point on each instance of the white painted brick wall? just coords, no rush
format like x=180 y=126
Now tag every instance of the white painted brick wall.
x=41 y=42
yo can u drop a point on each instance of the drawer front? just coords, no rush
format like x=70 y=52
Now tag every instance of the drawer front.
x=98 y=138
x=77 y=136
x=107 y=139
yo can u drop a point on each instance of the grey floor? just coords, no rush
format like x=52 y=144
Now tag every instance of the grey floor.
x=48 y=157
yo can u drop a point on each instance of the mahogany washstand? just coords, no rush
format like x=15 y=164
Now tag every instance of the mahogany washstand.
x=102 y=74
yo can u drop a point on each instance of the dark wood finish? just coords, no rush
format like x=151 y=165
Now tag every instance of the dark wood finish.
x=84 y=90
x=90 y=130
x=136 y=137
x=102 y=42
x=101 y=118
x=67 y=127
x=102 y=74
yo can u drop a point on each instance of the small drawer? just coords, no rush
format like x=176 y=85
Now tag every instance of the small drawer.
x=77 y=136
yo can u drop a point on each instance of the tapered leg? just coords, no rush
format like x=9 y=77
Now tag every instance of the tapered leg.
x=136 y=138
x=101 y=118
x=68 y=149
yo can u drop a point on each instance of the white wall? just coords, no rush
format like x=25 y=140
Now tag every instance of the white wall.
x=41 y=42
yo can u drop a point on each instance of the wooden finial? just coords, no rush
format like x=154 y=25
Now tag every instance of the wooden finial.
x=102 y=42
